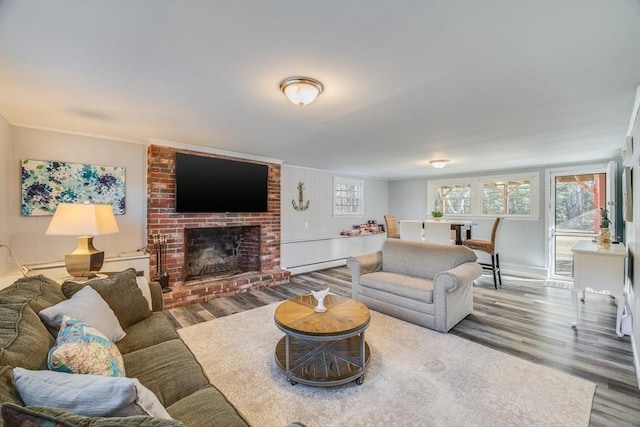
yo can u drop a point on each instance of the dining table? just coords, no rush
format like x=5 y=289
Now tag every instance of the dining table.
x=457 y=225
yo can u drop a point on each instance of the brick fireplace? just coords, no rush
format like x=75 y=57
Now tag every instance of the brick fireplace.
x=248 y=243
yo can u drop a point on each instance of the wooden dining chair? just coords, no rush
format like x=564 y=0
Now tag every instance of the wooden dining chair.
x=489 y=247
x=391 y=222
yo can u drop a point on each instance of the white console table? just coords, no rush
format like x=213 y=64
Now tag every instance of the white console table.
x=599 y=269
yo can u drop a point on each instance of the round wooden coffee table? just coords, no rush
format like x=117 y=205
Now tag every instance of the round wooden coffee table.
x=323 y=349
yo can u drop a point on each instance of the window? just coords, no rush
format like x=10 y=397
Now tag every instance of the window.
x=348 y=197
x=504 y=195
x=507 y=198
x=453 y=199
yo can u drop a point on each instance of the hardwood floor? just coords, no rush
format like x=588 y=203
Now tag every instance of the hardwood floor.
x=523 y=318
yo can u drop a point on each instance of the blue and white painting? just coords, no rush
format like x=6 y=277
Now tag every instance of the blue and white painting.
x=45 y=184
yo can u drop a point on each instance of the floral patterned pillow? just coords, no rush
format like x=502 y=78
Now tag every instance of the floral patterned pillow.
x=82 y=349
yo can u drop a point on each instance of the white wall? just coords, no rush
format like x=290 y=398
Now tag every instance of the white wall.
x=312 y=237
x=521 y=243
x=5 y=160
x=26 y=235
x=632 y=233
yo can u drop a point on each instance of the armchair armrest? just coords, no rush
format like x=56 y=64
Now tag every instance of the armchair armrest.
x=461 y=275
x=362 y=264
x=365 y=263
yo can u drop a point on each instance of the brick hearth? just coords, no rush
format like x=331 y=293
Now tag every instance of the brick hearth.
x=163 y=219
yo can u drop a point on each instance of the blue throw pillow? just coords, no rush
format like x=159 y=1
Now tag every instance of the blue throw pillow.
x=82 y=349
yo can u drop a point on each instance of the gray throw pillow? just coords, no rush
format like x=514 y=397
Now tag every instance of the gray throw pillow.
x=87 y=395
x=121 y=292
x=88 y=306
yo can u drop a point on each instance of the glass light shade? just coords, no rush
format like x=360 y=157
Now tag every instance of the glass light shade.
x=439 y=164
x=301 y=90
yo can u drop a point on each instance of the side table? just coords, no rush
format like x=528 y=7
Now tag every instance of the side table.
x=323 y=349
x=599 y=269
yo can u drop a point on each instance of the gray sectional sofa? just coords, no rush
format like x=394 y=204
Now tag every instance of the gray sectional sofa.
x=428 y=284
x=151 y=350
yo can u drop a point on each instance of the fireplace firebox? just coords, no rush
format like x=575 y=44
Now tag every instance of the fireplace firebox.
x=219 y=252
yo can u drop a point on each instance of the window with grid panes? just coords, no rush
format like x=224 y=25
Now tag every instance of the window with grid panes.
x=493 y=195
x=507 y=198
x=348 y=198
x=453 y=199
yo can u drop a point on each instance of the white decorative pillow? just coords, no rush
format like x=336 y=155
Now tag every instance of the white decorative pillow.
x=87 y=395
x=88 y=306
x=82 y=349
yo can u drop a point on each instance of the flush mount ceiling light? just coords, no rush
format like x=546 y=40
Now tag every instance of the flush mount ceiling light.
x=439 y=164
x=301 y=90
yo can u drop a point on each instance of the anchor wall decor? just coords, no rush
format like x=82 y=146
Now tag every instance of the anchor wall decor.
x=300 y=206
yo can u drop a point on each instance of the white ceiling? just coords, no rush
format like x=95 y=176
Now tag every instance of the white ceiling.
x=487 y=84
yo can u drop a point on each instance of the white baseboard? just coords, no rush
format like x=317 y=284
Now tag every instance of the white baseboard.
x=509 y=270
x=524 y=271
x=317 y=266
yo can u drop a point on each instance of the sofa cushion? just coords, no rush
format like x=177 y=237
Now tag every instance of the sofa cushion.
x=217 y=412
x=89 y=395
x=82 y=349
x=88 y=306
x=24 y=340
x=150 y=331
x=422 y=259
x=40 y=291
x=121 y=292
x=14 y=415
x=168 y=369
x=414 y=288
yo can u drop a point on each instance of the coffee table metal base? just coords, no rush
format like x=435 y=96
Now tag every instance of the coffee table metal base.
x=321 y=362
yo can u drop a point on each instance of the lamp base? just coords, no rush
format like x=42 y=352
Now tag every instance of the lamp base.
x=86 y=260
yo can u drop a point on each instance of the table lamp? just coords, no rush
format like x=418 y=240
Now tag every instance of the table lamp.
x=83 y=221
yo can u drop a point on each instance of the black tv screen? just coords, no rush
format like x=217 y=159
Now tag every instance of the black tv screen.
x=209 y=184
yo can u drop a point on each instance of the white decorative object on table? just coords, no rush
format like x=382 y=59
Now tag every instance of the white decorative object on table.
x=319 y=295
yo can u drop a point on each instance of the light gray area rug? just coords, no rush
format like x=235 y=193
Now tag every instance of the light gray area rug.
x=416 y=377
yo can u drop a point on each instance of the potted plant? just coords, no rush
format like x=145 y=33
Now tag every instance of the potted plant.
x=604 y=237
x=436 y=215
x=604 y=218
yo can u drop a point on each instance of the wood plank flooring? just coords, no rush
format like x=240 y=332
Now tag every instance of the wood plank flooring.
x=523 y=318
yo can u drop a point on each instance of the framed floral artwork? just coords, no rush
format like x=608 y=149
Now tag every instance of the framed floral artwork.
x=45 y=184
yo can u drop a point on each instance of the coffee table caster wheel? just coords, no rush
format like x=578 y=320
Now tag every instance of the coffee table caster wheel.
x=360 y=380
x=292 y=382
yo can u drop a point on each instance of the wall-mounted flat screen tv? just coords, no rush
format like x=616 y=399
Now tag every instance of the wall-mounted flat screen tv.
x=210 y=184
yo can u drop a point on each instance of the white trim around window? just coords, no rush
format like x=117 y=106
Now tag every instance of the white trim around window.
x=348 y=197
x=477 y=184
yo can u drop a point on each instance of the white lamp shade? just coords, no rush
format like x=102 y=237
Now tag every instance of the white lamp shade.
x=82 y=220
